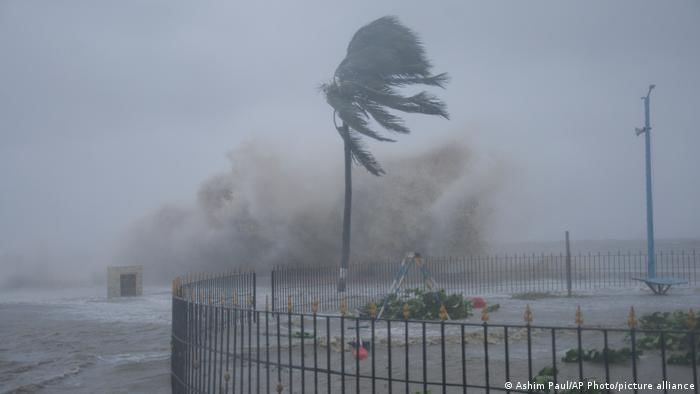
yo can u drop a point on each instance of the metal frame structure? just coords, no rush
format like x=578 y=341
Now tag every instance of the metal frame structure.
x=412 y=259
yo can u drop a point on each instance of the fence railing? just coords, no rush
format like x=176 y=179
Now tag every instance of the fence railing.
x=225 y=345
x=478 y=275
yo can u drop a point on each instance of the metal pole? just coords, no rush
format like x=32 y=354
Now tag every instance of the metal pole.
x=568 y=266
x=651 y=257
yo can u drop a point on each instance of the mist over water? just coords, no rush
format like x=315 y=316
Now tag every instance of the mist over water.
x=265 y=211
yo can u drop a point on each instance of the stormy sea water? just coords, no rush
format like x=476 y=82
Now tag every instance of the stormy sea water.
x=77 y=340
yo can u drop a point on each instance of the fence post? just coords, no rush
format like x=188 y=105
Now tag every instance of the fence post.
x=254 y=305
x=272 y=284
x=568 y=265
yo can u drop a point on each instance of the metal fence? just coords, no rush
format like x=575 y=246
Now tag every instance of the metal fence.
x=223 y=344
x=478 y=275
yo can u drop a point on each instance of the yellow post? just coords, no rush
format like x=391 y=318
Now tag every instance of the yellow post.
x=443 y=312
x=528 y=314
x=289 y=304
x=579 y=316
x=373 y=310
x=314 y=307
x=406 y=311
x=485 y=313
x=632 y=319
x=343 y=306
x=692 y=320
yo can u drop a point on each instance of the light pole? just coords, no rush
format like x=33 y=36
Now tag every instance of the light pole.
x=651 y=257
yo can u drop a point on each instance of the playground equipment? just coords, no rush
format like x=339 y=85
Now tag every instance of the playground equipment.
x=412 y=259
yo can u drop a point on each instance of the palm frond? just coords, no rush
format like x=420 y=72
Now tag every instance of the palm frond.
x=382 y=57
x=384 y=48
x=423 y=102
x=360 y=154
x=385 y=118
x=352 y=114
x=439 y=80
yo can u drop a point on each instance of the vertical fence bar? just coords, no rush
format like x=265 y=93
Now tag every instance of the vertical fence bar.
x=256 y=319
x=358 y=344
x=664 y=377
x=568 y=265
x=342 y=352
x=289 y=350
x=216 y=343
x=328 y=353
x=406 y=364
x=241 y=331
x=580 y=353
x=235 y=344
x=228 y=342
x=554 y=360
x=486 y=357
x=273 y=287
x=388 y=350
x=425 y=359
x=373 y=345
x=315 y=323
x=209 y=339
x=694 y=358
x=464 y=359
x=633 y=335
x=267 y=347
x=442 y=356
x=606 y=358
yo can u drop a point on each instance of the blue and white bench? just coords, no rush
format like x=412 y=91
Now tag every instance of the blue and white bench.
x=661 y=285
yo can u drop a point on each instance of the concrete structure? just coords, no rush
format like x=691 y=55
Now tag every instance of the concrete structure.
x=124 y=281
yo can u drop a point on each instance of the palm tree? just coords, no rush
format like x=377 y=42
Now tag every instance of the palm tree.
x=382 y=57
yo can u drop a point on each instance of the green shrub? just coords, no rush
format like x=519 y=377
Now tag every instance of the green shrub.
x=676 y=343
x=598 y=356
x=546 y=375
x=423 y=305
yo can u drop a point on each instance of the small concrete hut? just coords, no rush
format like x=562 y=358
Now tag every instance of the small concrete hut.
x=124 y=281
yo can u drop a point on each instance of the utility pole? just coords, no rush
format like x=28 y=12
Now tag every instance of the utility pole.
x=651 y=257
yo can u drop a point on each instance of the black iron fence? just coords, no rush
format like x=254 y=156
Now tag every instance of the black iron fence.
x=223 y=344
x=478 y=275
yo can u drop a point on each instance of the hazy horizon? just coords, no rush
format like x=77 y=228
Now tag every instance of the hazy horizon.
x=110 y=112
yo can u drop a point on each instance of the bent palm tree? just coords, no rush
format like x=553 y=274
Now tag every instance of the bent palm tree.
x=382 y=57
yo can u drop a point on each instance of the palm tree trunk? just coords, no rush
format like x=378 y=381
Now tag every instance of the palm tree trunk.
x=345 y=254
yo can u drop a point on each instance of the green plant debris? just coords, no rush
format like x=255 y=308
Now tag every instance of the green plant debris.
x=423 y=305
x=545 y=377
x=598 y=356
x=676 y=343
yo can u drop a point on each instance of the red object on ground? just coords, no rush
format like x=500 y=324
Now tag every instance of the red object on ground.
x=360 y=353
x=478 y=302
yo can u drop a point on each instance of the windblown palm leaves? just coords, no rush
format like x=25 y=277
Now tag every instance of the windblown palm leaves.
x=383 y=57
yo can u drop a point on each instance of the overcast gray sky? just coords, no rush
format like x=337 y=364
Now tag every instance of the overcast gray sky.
x=110 y=109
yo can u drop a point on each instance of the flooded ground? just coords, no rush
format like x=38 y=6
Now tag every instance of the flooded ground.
x=78 y=341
